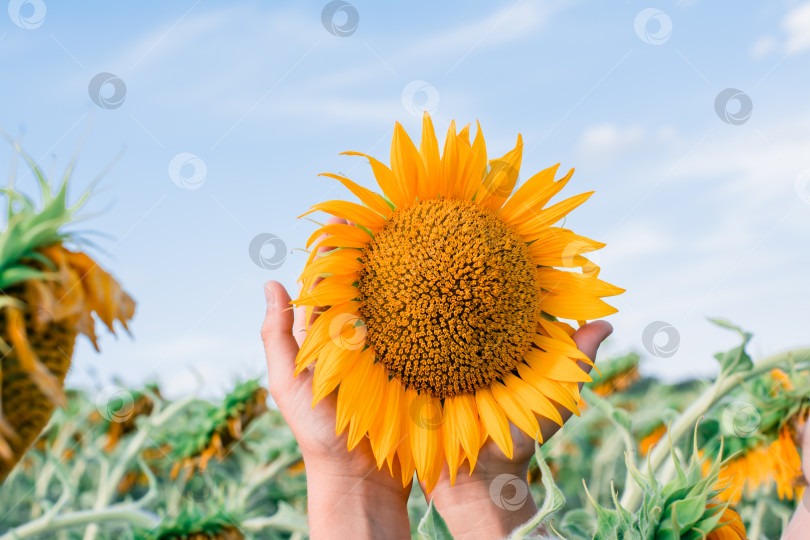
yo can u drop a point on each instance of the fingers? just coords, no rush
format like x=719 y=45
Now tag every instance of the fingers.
x=280 y=347
x=589 y=337
x=301 y=324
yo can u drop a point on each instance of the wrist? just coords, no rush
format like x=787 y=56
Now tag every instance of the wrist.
x=488 y=503
x=345 y=504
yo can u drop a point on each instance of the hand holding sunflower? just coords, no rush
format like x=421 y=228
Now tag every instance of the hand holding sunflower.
x=350 y=496
x=469 y=507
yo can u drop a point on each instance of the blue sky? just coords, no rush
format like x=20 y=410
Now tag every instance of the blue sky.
x=702 y=217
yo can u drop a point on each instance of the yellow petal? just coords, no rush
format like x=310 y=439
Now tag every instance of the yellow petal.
x=384 y=435
x=352 y=390
x=368 y=407
x=464 y=135
x=451 y=168
x=340 y=262
x=493 y=420
x=330 y=370
x=532 y=398
x=385 y=179
x=519 y=414
x=554 y=365
x=404 y=453
x=357 y=214
x=568 y=306
x=341 y=231
x=318 y=334
x=550 y=389
x=329 y=292
x=450 y=442
x=501 y=179
x=465 y=414
x=565 y=282
x=425 y=420
x=536 y=226
x=429 y=150
x=406 y=164
x=475 y=167
x=366 y=196
x=532 y=196
x=561 y=247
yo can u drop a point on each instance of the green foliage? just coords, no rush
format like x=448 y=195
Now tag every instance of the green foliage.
x=433 y=526
x=580 y=477
x=29 y=227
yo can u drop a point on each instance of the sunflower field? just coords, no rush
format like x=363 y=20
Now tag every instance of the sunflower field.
x=645 y=456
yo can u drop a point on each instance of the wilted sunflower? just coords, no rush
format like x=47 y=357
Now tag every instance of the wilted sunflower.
x=221 y=428
x=49 y=294
x=766 y=454
x=438 y=303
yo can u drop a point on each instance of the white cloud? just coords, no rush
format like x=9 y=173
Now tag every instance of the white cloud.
x=797 y=26
x=602 y=143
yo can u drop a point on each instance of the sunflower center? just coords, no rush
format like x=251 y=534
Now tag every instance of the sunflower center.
x=449 y=297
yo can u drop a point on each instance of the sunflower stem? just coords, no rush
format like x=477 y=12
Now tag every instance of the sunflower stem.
x=108 y=483
x=119 y=513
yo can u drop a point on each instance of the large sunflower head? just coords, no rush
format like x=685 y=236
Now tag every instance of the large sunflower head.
x=438 y=303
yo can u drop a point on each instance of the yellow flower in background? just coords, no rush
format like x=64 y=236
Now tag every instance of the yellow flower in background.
x=438 y=303
x=730 y=528
x=777 y=463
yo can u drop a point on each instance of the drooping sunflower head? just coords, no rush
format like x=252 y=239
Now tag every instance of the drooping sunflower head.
x=760 y=430
x=219 y=430
x=438 y=303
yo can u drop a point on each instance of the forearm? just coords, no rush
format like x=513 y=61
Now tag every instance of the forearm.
x=486 y=505
x=353 y=507
x=800 y=522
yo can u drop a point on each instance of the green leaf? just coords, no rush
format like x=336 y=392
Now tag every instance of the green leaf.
x=736 y=359
x=433 y=526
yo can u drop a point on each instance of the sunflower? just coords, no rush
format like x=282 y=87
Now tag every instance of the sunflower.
x=777 y=463
x=617 y=375
x=49 y=294
x=438 y=303
x=651 y=438
x=731 y=526
x=767 y=456
x=220 y=430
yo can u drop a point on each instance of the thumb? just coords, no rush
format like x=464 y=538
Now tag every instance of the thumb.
x=280 y=347
x=590 y=336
